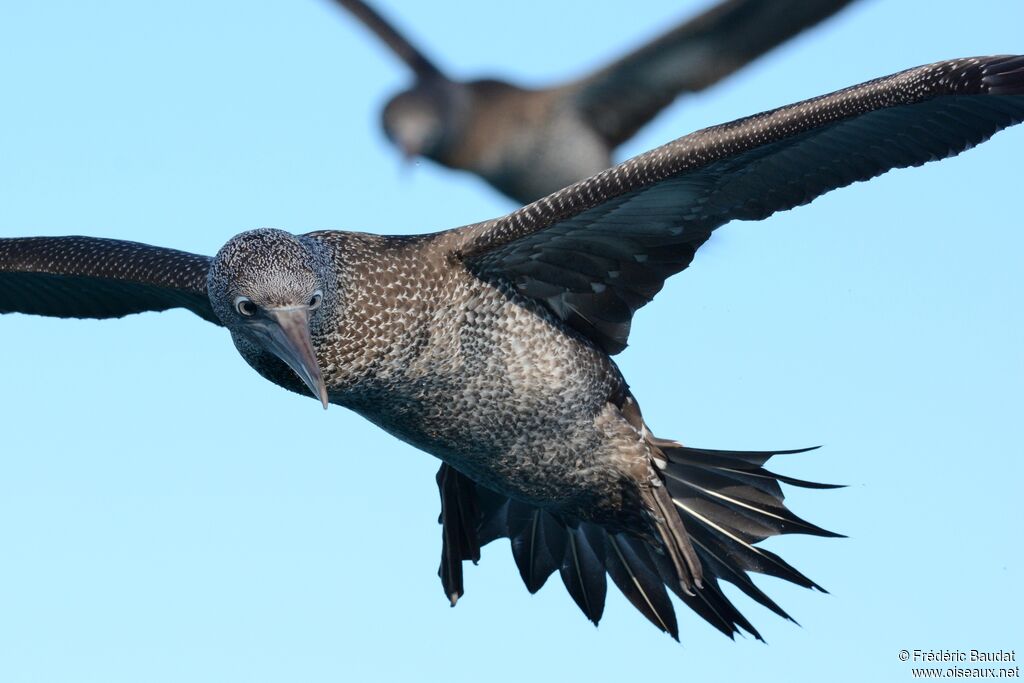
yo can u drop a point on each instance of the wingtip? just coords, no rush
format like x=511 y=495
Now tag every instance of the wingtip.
x=1004 y=76
x=804 y=484
x=793 y=451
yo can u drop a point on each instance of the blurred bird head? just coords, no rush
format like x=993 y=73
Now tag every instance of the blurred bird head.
x=425 y=119
x=276 y=292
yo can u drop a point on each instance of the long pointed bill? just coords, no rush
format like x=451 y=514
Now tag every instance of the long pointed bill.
x=286 y=335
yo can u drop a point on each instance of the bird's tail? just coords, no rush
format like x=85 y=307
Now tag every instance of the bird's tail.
x=713 y=508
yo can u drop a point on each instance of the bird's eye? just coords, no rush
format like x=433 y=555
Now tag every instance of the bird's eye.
x=245 y=307
x=316 y=300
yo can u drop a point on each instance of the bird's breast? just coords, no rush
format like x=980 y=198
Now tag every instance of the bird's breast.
x=479 y=376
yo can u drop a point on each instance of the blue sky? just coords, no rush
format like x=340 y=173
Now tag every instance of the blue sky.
x=167 y=515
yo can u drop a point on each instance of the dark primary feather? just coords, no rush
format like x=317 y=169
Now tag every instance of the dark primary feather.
x=399 y=44
x=89 y=277
x=598 y=250
x=622 y=97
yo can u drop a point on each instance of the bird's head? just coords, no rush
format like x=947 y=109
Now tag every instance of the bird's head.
x=275 y=291
x=421 y=120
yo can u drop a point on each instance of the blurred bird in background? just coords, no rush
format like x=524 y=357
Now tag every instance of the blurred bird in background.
x=528 y=143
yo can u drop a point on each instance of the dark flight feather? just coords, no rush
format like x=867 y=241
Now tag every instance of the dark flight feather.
x=396 y=42
x=624 y=96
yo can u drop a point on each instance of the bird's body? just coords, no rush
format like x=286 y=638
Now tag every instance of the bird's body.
x=523 y=142
x=489 y=346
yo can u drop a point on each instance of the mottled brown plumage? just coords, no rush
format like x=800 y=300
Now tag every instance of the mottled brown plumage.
x=489 y=346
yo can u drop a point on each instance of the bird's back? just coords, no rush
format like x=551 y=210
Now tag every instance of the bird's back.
x=526 y=143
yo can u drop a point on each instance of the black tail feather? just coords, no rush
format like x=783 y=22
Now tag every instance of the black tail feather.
x=725 y=502
x=631 y=568
x=719 y=567
x=471 y=517
x=459 y=541
x=749 y=507
x=583 y=569
x=710 y=603
x=675 y=540
x=538 y=543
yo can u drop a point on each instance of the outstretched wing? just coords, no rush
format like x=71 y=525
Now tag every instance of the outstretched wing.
x=598 y=250
x=398 y=43
x=625 y=95
x=90 y=277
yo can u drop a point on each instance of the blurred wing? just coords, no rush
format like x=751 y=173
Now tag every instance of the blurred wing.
x=398 y=43
x=622 y=97
x=598 y=250
x=89 y=277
